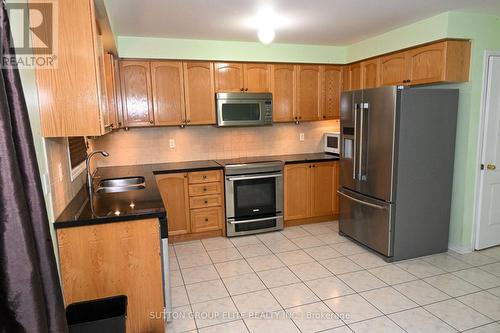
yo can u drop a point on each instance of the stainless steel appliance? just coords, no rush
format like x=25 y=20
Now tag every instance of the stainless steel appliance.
x=396 y=168
x=244 y=109
x=331 y=142
x=254 y=196
x=165 y=267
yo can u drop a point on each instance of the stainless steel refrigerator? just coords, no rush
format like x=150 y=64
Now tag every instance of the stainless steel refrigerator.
x=396 y=169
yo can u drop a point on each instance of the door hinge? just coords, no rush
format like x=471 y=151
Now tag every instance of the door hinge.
x=482 y=166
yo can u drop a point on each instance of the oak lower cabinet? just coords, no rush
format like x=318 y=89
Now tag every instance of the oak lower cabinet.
x=311 y=190
x=194 y=202
x=110 y=259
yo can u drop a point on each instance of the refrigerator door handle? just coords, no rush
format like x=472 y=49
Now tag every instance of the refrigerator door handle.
x=362 y=108
x=361 y=201
x=355 y=153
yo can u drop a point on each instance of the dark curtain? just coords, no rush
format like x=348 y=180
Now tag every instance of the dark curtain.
x=30 y=292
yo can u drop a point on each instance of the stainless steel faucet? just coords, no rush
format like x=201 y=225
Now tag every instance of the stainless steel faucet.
x=90 y=178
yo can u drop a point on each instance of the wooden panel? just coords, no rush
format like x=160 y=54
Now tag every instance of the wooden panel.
x=136 y=93
x=205 y=176
x=309 y=92
x=257 y=77
x=355 y=76
x=205 y=201
x=205 y=188
x=102 y=88
x=110 y=78
x=174 y=194
x=206 y=219
x=332 y=88
x=283 y=87
x=322 y=189
x=336 y=183
x=199 y=89
x=426 y=64
x=346 y=78
x=118 y=92
x=121 y=258
x=168 y=92
x=457 y=61
x=370 y=73
x=198 y=235
x=297 y=191
x=393 y=69
x=228 y=77
x=68 y=94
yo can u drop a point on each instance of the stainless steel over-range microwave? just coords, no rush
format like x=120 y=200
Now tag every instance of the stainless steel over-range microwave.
x=244 y=109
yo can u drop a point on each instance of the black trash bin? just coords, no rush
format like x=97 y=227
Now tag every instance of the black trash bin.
x=100 y=315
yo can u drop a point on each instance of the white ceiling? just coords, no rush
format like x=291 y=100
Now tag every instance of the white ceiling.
x=326 y=22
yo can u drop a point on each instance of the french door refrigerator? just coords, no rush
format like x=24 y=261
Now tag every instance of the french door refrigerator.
x=396 y=169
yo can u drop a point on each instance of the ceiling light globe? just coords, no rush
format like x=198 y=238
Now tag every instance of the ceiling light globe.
x=266 y=35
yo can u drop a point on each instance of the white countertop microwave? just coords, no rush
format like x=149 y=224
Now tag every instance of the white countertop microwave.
x=332 y=142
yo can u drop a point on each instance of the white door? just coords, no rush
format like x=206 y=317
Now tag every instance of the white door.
x=488 y=224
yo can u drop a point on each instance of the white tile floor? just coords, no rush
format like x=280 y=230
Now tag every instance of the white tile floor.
x=310 y=279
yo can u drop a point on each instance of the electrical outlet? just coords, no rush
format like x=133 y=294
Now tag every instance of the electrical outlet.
x=171 y=143
x=60 y=172
x=301 y=137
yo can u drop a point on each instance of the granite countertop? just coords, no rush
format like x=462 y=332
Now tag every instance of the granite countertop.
x=147 y=203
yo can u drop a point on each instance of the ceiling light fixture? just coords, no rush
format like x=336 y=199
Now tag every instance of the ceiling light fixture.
x=266 y=34
x=265 y=21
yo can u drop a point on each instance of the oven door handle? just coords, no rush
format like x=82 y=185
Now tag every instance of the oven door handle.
x=268 y=175
x=232 y=221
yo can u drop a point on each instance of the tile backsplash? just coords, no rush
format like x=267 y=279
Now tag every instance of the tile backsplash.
x=152 y=145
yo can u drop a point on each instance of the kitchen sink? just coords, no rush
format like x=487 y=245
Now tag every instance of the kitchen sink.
x=117 y=185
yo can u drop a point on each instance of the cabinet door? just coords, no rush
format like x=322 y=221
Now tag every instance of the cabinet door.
x=168 y=92
x=136 y=93
x=257 y=77
x=370 y=73
x=199 y=90
x=110 y=79
x=336 y=183
x=393 y=69
x=355 y=76
x=283 y=82
x=174 y=194
x=206 y=219
x=332 y=88
x=309 y=92
x=228 y=77
x=297 y=188
x=346 y=78
x=426 y=64
x=321 y=189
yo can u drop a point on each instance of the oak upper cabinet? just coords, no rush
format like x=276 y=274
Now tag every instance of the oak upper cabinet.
x=257 y=77
x=355 y=76
x=167 y=84
x=346 y=78
x=283 y=85
x=229 y=77
x=446 y=61
x=296 y=191
x=393 y=69
x=71 y=96
x=111 y=89
x=174 y=194
x=370 y=73
x=321 y=189
x=310 y=190
x=137 y=106
x=199 y=92
x=309 y=92
x=332 y=88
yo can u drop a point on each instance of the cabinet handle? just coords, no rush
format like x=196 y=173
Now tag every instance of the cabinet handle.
x=205 y=177
x=151 y=121
x=206 y=219
x=310 y=166
x=241 y=89
x=204 y=189
x=246 y=89
x=324 y=117
x=300 y=117
x=206 y=201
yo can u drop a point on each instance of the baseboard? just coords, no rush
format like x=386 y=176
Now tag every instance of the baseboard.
x=194 y=236
x=291 y=223
x=460 y=249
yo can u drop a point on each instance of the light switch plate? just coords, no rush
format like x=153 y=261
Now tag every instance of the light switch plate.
x=171 y=143
x=301 y=137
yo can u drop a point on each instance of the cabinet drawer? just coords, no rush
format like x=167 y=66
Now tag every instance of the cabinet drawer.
x=206 y=219
x=204 y=176
x=205 y=189
x=205 y=201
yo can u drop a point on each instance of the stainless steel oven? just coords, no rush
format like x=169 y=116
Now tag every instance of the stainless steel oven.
x=244 y=109
x=254 y=197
